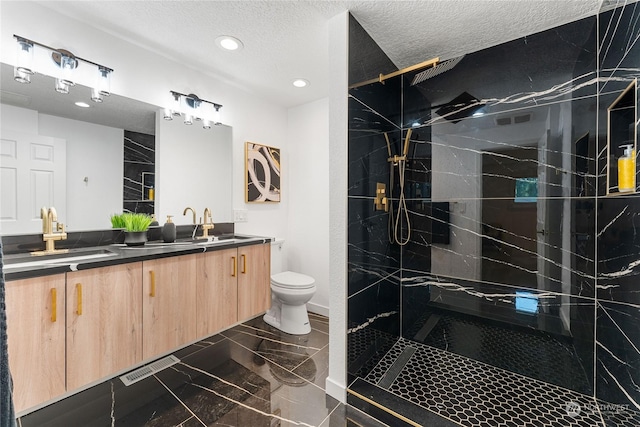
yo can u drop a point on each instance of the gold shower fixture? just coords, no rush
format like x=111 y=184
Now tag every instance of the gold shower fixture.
x=381 y=202
x=382 y=77
x=395 y=158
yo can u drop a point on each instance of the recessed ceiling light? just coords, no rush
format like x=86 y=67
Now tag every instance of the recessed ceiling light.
x=82 y=104
x=301 y=83
x=229 y=43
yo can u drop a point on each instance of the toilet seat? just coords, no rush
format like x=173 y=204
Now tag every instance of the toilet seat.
x=291 y=280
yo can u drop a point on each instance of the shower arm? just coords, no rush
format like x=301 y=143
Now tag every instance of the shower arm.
x=382 y=77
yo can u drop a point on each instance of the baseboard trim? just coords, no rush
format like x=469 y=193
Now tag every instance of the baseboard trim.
x=336 y=390
x=318 y=309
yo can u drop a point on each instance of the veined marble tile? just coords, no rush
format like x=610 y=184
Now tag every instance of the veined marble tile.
x=375 y=106
x=110 y=403
x=362 y=277
x=281 y=398
x=529 y=71
x=285 y=350
x=368 y=230
x=377 y=304
x=490 y=241
x=618 y=354
x=618 y=46
x=619 y=249
x=319 y=323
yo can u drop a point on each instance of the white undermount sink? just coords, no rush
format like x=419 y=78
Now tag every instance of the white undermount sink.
x=14 y=262
x=212 y=240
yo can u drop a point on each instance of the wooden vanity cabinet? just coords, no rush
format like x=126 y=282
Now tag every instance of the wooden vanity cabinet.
x=104 y=322
x=67 y=331
x=36 y=338
x=216 y=291
x=168 y=304
x=254 y=280
x=232 y=285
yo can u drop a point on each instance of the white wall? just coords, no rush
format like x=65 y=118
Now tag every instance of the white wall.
x=336 y=384
x=192 y=169
x=147 y=76
x=96 y=153
x=307 y=240
x=93 y=151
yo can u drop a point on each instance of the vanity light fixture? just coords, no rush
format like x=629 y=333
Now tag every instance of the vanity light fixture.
x=24 y=65
x=229 y=43
x=64 y=69
x=193 y=108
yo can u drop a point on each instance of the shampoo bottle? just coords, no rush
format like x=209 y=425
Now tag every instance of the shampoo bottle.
x=169 y=231
x=627 y=169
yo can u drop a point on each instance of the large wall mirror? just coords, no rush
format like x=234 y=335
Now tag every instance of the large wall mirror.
x=72 y=157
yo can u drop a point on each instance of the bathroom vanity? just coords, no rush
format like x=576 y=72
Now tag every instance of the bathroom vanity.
x=113 y=308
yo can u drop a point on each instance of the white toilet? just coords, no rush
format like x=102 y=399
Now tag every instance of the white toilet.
x=289 y=294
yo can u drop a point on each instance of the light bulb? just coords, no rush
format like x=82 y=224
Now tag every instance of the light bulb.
x=24 y=62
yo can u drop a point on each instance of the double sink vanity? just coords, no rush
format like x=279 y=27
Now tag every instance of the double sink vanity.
x=91 y=313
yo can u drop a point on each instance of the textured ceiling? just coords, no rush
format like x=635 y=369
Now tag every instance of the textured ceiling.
x=284 y=40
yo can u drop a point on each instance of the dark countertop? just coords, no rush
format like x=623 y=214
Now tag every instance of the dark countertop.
x=114 y=254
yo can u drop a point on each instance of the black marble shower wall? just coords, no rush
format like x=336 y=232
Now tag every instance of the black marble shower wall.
x=139 y=172
x=618 y=217
x=516 y=257
x=502 y=245
x=374 y=263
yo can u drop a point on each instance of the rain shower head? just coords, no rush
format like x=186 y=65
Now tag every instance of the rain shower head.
x=434 y=71
x=462 y=106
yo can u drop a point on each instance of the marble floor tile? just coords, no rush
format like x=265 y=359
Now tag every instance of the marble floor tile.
x=286 y=350
x=315 y=368
x=251 y=375
x=319 y=323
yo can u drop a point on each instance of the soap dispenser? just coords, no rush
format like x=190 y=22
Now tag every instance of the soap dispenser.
x=627 y=169
x=169 y=231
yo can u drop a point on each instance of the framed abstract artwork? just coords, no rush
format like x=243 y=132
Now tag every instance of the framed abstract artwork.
x=262 y=173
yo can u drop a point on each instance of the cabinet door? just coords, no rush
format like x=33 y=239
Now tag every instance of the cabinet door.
x=254 y=280
x=104 y=322
x=35 y=318
x=217 y=291
x=168 y=304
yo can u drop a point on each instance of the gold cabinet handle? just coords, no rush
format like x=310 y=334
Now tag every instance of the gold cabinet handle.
x=244 y=263
x=235 y=266
x=54 y=304
x=153 y=283
x=79 y=307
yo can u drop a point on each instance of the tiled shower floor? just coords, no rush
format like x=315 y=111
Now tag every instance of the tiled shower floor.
x=471 y=393
x=532 y=353
x=251 y=375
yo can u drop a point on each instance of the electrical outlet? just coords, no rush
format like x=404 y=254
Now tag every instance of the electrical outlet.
x=240 y=215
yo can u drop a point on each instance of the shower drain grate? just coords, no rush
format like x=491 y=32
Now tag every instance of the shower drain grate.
x=148 y=370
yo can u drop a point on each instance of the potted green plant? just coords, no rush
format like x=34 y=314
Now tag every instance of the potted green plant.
x=135 y=227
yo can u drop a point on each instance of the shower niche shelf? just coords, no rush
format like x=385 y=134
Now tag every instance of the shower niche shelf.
x=622 y=116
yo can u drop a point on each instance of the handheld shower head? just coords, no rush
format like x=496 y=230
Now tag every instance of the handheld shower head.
x=407 y=140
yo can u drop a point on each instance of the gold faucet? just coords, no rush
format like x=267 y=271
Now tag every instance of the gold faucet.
x=192 y=211
x=49 y=216
x=206 y=226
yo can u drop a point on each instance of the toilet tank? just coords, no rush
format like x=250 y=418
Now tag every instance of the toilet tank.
x=276 y=255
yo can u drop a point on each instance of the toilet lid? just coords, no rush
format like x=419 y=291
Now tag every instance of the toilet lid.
x=289 y=279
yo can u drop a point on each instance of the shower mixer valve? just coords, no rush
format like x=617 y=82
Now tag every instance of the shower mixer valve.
x=381 y=197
